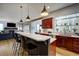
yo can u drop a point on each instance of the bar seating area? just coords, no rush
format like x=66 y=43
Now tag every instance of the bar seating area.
x=30 y=46
x=17 y=44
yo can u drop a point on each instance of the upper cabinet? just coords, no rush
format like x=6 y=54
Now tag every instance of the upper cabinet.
x=47 y=23
x=67 y=24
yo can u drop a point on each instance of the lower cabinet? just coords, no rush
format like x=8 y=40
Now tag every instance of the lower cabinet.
x=60 y=42
x=70 y=43
x=76 y=45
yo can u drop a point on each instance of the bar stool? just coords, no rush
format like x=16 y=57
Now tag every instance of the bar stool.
x=17 y=44
x=30 y=46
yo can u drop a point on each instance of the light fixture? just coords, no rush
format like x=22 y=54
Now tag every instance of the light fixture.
x=21 y=20
x=21 y=13
x=44 y=11
x=28 y=17
x=48 y=7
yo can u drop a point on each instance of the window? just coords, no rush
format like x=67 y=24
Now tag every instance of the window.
x=1 y=27
x=35 y=26
x=38 y=27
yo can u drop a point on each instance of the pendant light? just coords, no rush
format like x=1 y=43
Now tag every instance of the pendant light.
x=21 y=13
x=28 y=17
x=21 y=20
x=44 y=11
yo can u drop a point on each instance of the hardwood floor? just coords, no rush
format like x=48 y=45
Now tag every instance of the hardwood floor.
x=64 y=52
x=6 y=49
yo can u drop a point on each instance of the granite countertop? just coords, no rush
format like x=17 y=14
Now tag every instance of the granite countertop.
x=68 y=35
x=37 y=37
x=75 y=36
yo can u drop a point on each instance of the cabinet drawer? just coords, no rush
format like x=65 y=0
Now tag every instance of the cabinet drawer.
x=77 y=43
x=76 y=49
x=77 y=40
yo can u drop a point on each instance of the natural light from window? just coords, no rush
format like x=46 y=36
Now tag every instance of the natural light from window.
x=1 y=27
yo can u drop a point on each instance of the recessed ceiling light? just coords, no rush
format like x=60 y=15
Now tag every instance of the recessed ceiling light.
x=48 y=7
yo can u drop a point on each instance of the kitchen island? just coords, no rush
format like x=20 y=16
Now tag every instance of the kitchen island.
x=40 y=43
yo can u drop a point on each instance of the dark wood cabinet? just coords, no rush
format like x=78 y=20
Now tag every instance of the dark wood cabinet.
x=60 y=41
x=69 y=43
x=76 y=45
x=47 y=23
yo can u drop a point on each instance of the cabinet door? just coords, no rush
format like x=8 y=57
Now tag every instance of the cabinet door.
x=47 y=23
x=60 y=41
x=69 y=43
x=76 y=45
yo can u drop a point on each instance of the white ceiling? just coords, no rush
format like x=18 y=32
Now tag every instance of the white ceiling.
x=12 y=11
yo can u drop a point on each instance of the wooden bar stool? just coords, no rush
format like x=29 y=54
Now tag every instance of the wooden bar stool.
x=16 y=44
x=29 y=46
